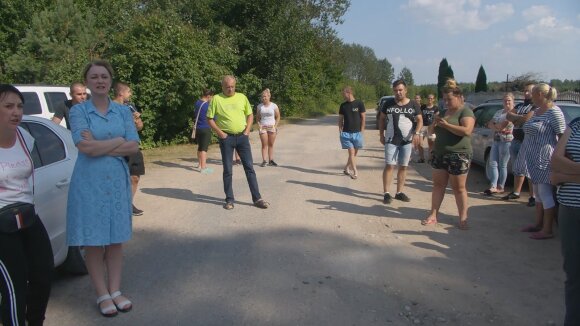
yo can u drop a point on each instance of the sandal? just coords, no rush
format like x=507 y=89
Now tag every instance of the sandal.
x=346 y=171
x=541 y=236
x=108 y=311
x=429 y=221
x=123 y=306
x=489 y=192
x=229 y=206
x=463 y=225
x=262 y=204
x=354 y=176
x=530 y=228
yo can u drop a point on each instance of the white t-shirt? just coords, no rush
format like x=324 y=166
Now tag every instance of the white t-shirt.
x=16 y=172
x=267 y=114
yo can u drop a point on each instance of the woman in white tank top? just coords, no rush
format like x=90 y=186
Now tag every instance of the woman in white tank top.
x=268 y=117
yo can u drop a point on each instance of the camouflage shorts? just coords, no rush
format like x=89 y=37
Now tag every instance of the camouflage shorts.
x=453 y=163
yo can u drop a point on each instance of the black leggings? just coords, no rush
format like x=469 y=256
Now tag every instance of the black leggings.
x=26 y=267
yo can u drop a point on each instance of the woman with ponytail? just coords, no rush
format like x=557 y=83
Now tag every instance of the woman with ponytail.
x=452 y=152
x=542 y=132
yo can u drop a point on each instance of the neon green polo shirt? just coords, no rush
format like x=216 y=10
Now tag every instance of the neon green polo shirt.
x=230 y=112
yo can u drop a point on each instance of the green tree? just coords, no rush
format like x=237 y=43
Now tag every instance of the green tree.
x=59 y=42
x=481 y=80
x=168 y=65
x=407 y=76
x=442 y=76
x=14 y=22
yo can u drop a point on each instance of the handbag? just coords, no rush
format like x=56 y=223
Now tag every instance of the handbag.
x=16 y=216
x=196 y=120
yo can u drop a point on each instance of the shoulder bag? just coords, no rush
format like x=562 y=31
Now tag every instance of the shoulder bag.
x=196 y=120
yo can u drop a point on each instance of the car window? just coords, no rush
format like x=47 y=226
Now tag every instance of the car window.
x=484 y=114
x=570 y=112
x=54 y=100
x=48 y=147
x=31 y=103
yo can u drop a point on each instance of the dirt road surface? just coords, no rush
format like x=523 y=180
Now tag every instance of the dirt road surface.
x=327 y=251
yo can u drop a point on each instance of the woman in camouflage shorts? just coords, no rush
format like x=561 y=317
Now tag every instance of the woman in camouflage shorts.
x=452 y=153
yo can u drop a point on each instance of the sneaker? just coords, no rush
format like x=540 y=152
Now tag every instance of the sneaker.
x=237 y=162
x=262 y=204
x=401 y=196
x=531 y=202
x=387 y=199
x=137 y=211
x=272 y=163
x=510 y=196
x=264 y=163
x=206 y=171
x=421 y=160
x=229 y=206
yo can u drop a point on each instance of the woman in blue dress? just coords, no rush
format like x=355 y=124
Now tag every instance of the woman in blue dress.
x=99 y=201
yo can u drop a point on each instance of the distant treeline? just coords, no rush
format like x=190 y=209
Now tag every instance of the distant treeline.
x=169 y=50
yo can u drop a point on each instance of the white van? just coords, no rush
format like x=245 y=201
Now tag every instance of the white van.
x=41 y=100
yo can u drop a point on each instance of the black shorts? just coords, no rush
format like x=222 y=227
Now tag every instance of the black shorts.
x=203 y=138
x=453 y=163
x=136 y=164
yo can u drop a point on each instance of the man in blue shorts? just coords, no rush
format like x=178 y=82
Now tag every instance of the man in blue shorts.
x=351 y=124
x=399 y=130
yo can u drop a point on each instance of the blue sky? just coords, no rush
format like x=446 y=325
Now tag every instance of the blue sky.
x=506 y=37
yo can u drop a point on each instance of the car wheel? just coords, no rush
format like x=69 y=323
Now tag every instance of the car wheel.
x=75 y=261
x=486 y=163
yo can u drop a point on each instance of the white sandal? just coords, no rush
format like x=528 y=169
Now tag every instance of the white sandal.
x=108 y=311
x=123 y=306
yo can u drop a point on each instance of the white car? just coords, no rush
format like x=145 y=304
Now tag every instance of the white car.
x=54 y=157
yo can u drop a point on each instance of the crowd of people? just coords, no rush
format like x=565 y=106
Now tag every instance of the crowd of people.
x=105 y=131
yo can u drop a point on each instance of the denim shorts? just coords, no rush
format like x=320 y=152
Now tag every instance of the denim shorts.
x=351 y=140
x=398 y=154
x=453 y=163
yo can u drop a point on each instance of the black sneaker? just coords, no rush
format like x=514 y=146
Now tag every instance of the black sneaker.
x=137 y=211
x=510 y=196
x=402 y=197
x=264 y=163
x=387 y=199
x=272 y=163
x=531 y=202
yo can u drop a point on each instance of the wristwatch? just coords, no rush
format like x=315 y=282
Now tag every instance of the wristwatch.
x=418 y=133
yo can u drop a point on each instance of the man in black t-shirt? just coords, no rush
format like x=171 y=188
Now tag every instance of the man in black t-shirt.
x=428 y=112
x=351 y=124
x=399 y=130
x=78 y=94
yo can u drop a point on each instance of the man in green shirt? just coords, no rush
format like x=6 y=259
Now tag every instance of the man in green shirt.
x=230 y=116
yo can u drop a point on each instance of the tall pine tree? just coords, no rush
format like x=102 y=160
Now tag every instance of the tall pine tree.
x=441 y=77
x=481 y=81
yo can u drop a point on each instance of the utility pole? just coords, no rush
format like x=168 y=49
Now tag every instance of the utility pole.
x=507 y=80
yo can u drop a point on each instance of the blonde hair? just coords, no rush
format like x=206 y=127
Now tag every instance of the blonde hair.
x=451 y=87
x=548 y=92
x=509 y=94
x=266 y=91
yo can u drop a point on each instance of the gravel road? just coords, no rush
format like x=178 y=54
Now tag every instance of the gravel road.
x=327 y=251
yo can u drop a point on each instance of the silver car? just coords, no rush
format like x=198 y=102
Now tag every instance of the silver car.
x=482 y=137
x=54 y=157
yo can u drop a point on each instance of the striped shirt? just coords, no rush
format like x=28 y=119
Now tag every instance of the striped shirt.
x=542 y=132
x=569 y=193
